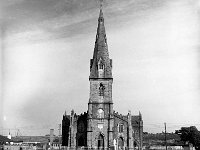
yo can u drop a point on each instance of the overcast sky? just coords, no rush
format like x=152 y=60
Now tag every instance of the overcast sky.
x=46 y=47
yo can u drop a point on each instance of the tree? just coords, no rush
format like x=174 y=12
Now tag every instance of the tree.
x=191 y=135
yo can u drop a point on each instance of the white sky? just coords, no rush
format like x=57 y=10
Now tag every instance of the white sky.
x=47 y=45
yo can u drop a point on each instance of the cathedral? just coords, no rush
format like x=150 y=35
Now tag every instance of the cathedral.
x=100 y=126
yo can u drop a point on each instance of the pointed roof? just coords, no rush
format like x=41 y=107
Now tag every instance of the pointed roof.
x=101 y=51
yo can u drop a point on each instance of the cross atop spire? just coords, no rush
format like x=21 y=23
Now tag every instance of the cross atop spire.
x=101 y=11
x=101 y=3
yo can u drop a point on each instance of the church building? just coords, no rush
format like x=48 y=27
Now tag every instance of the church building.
x=100 y=126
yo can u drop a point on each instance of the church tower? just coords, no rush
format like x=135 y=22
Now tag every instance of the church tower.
x=101 y=127
x=100 y=106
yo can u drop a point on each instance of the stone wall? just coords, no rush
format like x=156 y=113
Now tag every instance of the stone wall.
x=119 y=119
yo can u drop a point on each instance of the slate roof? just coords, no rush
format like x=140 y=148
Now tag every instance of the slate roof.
x=42 y=139
x=4 y=139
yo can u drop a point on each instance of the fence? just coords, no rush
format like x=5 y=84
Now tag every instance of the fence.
x=94 y=148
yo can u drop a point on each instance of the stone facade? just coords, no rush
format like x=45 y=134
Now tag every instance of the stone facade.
x=101 y=127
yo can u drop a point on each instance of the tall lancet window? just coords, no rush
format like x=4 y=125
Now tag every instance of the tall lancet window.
x=101 y=68
x=101 y=90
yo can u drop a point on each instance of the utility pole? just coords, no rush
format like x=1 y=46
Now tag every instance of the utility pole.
x=59 y=128
x=165 y=136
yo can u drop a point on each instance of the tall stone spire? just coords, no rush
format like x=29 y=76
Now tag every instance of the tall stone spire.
x=101 y=64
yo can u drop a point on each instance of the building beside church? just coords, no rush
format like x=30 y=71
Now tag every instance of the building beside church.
x=101 y=126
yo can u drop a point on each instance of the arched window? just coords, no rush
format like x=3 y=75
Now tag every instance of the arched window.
x=121 y=128
x=100 y=142
x=101 y=64
x=101 y=67
x=81 y=127
x=101 y=89
x=100 y=113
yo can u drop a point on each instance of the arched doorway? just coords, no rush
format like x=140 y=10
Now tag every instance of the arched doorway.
x=81 y=141
x=136 y=145
x=120 y=143
x=101 y=142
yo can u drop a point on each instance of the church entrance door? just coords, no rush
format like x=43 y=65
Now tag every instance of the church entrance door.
x=120 y=144
x=81 y=141
x=100 y=142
